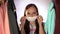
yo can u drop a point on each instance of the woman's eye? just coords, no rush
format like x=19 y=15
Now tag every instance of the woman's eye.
x=34 y=12
x=28 y=13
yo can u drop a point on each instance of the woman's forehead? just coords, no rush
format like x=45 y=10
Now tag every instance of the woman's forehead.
x=31 y=9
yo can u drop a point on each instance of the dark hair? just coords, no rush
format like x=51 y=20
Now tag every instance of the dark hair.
x=26 y=25
x=30 y=5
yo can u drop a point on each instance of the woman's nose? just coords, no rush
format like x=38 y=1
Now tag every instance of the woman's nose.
x=31 y=15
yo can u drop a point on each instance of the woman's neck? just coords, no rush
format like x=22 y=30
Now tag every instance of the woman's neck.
x=32 y=23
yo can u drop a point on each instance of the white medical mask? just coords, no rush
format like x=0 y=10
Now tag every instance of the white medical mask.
x=31 y=18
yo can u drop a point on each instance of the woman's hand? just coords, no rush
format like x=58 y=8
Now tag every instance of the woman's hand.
x=40 y=19
x=22 y=20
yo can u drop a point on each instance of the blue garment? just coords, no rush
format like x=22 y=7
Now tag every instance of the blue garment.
x=50 y=23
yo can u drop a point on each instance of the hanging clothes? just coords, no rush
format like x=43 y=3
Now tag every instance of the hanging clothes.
x=16 y=22
x=1 y=21
x=12 y=18
x=57 y=26
x=0 y=2
x=4 y=22
x=50 y=23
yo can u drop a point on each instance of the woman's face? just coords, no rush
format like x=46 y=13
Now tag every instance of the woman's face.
x=31 y=12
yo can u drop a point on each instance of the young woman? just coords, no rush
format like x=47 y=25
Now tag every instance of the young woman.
x=31 y=22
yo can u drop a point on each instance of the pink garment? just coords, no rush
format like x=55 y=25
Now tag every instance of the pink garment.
x=7 y=30
x=1 y=21
x=4 y=22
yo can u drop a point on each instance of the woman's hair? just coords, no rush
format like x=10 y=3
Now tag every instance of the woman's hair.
x=26 y=25
x=31 y=5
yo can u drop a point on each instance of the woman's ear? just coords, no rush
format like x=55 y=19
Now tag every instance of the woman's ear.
x=25 y=13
